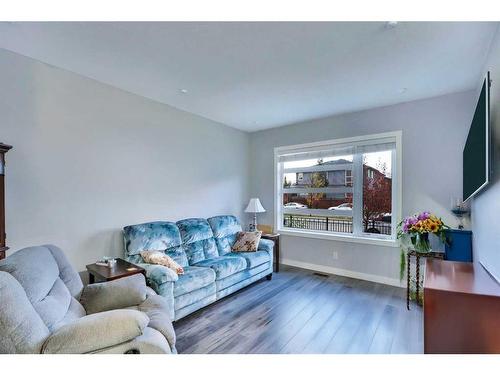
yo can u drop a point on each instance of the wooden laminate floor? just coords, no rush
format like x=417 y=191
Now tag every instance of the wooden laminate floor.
x=299 y=311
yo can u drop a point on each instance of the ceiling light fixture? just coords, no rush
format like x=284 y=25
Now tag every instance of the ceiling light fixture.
x=183 y=91
x=391 y=24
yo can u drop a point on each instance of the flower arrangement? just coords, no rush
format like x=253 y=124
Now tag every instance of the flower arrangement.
x=417 y=228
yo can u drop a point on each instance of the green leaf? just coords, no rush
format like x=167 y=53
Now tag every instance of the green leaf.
x=402 y=264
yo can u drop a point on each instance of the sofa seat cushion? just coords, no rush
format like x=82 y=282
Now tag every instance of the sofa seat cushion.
x=253 y=259
x=224 y=266
x=193 y=278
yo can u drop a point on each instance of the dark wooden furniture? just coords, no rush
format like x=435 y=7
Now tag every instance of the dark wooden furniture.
x=461 y=309
x=417 y=255
x=3 y=150
x=275 y=237
x=122 y=268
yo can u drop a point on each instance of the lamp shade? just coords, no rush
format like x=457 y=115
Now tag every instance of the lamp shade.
x=254 y=206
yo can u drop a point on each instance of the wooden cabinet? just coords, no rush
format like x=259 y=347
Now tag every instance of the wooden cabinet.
x=3 y=150
x=461 y=309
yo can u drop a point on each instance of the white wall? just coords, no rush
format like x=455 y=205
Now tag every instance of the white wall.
x=433 y=134
x=89 y=159
x=486 y=205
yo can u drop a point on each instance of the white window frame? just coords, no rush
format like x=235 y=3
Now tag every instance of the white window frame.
x=357 y=175
x=348 y=179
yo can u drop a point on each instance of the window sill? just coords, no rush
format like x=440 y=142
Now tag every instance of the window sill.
x=340 y=237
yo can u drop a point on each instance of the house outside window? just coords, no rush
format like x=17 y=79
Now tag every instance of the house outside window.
x=345 y=188
x=348 y=178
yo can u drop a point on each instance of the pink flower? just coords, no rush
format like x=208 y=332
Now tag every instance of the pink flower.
x=424 y=216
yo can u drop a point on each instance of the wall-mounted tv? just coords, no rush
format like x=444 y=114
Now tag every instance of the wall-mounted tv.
x=476 y=155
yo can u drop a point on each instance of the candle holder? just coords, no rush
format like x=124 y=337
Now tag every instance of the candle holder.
x=460 y=210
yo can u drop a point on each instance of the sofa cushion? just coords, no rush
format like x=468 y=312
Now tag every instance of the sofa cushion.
x=115 y=294
x=75 y=311
x=22 y=329
x=158 y=235
x=225 y=228
x=224 y=266
x=178 y=254
x=66 y=272
x=161 y=236
x=198 y=240
x=201 y=250
x=253 y=259
x=193 y=230
x=96 y=331
x=36 y=269
x=224 y=225
x=192 y=279
x=224 y=244
x=246 y=241
x=55 y=305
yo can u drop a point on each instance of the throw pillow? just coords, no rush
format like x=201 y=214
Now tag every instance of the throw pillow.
x=247 y=241
x=157 y=257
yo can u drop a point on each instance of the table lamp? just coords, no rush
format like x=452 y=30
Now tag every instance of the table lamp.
x=254 y=207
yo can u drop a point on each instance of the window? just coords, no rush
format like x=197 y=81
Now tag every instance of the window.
x=348 y=178
x=346 y=188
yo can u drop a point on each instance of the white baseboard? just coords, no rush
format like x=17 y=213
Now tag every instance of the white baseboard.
x=342 y=272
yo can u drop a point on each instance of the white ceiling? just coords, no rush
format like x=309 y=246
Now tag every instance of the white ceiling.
x=260 y=75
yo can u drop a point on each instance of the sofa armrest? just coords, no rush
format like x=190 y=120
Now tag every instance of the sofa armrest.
x=96 y=331
x=116 y=294
x=266 y=245
x=159 y=274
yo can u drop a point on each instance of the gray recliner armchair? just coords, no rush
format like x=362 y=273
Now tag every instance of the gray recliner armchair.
x=44 y=308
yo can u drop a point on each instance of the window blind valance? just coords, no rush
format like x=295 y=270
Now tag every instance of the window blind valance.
x=336 y=150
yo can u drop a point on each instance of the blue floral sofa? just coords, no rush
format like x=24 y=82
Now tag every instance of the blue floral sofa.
x=203 y=248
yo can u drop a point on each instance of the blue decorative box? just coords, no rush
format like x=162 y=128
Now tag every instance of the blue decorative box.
x=459 y=245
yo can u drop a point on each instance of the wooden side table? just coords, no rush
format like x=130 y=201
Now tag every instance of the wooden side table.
x=417 y=255
x=275 y=237
x=122 y=268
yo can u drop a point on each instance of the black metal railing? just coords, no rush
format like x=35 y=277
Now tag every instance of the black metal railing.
x=330 y=224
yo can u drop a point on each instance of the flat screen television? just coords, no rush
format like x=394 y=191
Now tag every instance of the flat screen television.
x=476 y=155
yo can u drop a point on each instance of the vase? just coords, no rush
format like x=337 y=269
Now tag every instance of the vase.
x=420 y=242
